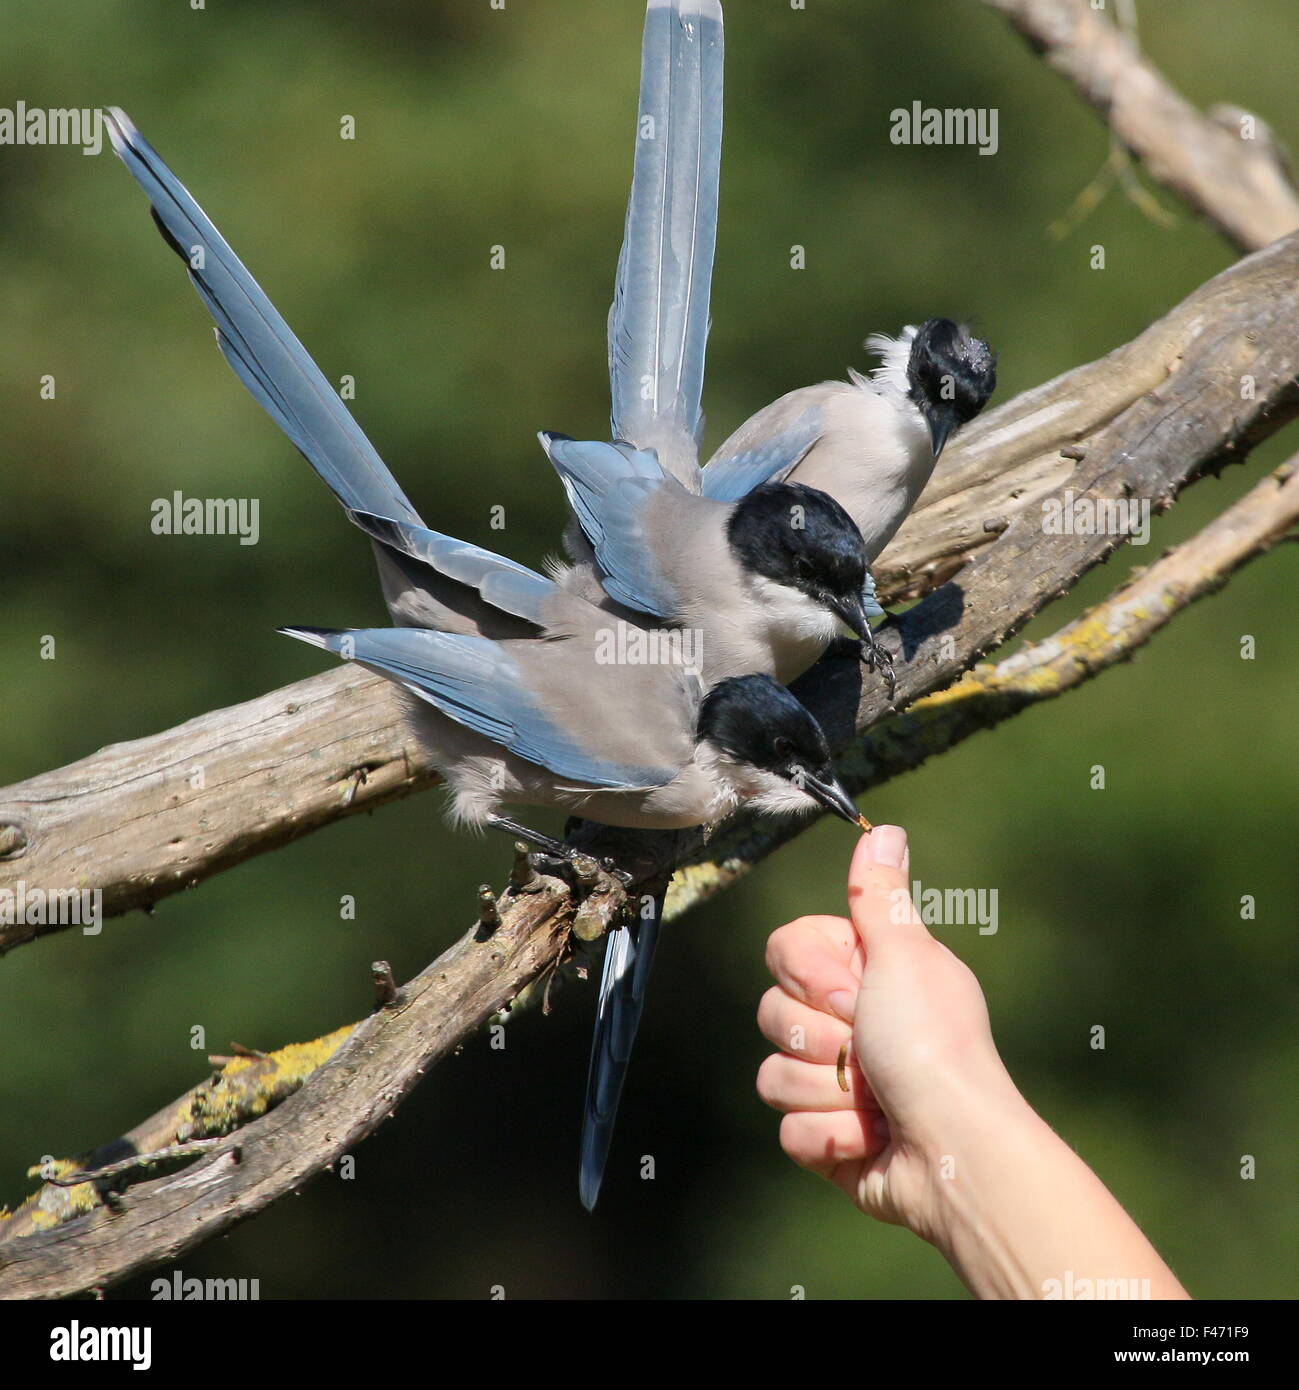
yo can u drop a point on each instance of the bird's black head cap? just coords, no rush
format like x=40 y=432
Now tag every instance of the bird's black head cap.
x=755 y=720
x=950 y=377
x=802 y=538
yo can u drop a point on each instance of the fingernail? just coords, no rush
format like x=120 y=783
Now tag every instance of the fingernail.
x=888 y=845
x=844 y=1003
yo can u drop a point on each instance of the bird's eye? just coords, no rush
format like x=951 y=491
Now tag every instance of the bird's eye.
x=784 y=747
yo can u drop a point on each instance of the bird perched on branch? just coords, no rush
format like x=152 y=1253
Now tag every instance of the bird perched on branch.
x=870 y=442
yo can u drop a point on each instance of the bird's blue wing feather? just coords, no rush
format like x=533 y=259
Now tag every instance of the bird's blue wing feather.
x=610 y=488
x=733 y=477
x=869 y=601
x=504 y=583
x=475 y=682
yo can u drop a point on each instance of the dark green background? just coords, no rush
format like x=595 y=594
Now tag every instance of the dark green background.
x=475 y=127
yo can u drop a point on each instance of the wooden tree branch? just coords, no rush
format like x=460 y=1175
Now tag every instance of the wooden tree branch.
x=143 y=819
x=237 y=1092
x=140 y=820
x=41 y=1256
x=375 y=1067
x=1228 y=171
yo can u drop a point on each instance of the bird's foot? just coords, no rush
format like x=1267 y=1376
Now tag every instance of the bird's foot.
x=876 y=658
x=557 y=851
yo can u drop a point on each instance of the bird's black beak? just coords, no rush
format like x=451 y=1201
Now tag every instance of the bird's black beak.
x=851 y=611
x=832 y=794
x=941 y=423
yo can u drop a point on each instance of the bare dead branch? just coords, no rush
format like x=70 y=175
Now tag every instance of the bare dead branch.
x=1225 y=164
x=369 y=1069
x=143 y=819
x=153 y=1159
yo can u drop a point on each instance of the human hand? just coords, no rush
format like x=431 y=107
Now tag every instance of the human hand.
x=922 y=1067
x=931 y=1133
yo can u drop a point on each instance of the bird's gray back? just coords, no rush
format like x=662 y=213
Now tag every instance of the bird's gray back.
x=872 y=453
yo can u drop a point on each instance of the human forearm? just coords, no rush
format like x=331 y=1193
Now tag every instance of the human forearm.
x=1019 y=1215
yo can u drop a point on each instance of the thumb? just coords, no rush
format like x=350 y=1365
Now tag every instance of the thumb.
x=879 y=894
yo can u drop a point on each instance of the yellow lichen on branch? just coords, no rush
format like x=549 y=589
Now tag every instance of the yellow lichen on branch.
x=241 y=1090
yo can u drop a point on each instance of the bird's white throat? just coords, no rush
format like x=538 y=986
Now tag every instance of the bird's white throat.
x=798 y=627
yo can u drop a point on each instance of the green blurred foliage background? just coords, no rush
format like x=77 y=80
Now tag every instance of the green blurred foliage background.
x=477 y=127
